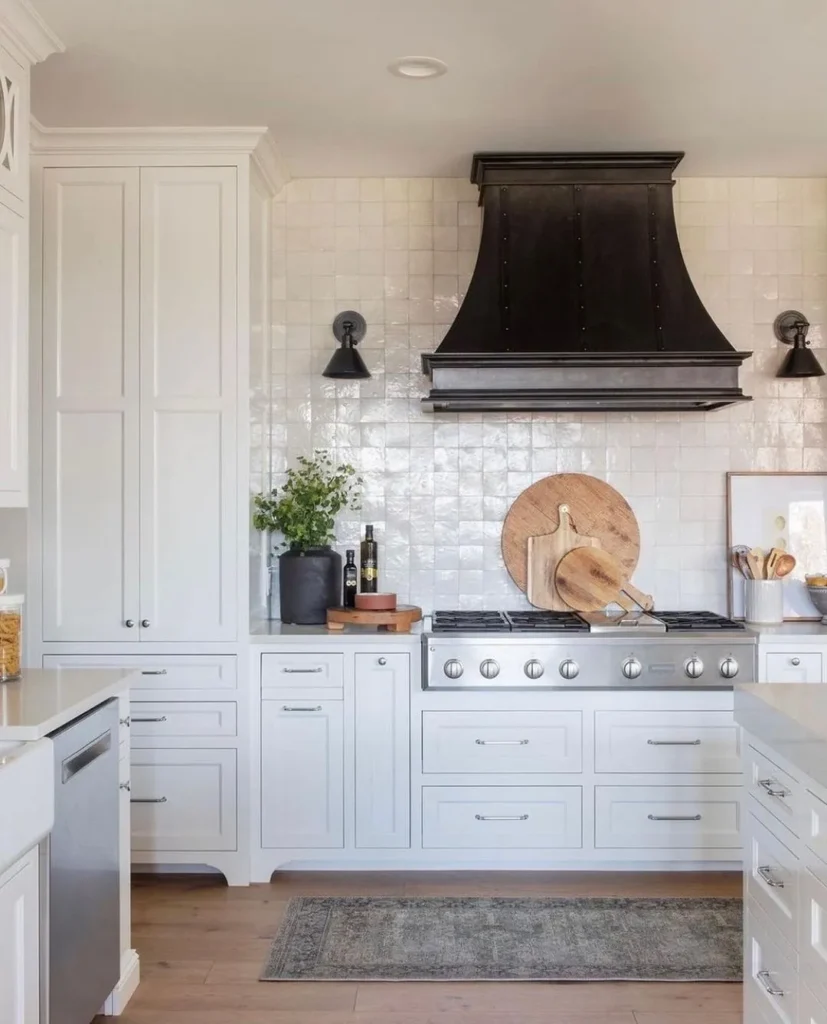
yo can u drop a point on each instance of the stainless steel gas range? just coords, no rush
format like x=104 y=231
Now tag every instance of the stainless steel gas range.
x=595 y=650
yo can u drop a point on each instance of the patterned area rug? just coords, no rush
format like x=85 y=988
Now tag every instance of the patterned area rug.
x=486 y=939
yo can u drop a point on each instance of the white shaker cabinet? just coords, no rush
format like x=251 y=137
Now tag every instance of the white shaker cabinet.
x=381 y=748
x=139 y=404
x=19 y=943
x=14 y=276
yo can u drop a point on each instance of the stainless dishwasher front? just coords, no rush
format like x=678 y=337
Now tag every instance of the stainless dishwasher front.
x=82 y=958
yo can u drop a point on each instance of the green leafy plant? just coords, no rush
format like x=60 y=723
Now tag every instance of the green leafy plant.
x=304 y=510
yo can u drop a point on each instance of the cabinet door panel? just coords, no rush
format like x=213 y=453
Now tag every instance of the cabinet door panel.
x=382 y=751
x=302 y=770
x=14 y=261
x=90 y=404
x=188 y=403
x=14 y=131
x=19 y=946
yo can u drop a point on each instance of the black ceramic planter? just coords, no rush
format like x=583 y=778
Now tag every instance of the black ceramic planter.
x=310 y=582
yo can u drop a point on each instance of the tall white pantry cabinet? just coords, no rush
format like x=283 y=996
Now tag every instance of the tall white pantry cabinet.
x=150 y=263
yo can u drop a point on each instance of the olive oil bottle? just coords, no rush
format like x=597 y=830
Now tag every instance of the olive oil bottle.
x=368 y=562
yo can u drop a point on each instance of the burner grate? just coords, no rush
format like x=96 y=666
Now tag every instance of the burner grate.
x=699 y=621
x=469 y=622
x=546 y=622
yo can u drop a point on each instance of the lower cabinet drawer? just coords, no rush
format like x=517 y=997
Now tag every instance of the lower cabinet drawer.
x=667 y=817
x=776 y=791
x=667 y=742
x=812 y=935
x=772 y=874
x=471 y=742
x=810 y=1009
x=796 y=667
x=770 y=971
x=159 y=671
x=283 y=671
x=501 y=817
x=183 y=799
x=181 y=719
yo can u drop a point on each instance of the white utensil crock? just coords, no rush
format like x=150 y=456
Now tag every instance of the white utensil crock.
x=764 y=601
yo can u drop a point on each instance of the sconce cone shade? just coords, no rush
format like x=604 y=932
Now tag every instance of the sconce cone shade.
x=800 y=362
x=346 y=364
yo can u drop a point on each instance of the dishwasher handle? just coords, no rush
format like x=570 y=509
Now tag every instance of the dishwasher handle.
x=71 y=765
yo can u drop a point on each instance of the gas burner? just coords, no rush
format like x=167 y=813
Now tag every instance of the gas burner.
x=469 y=622
x=546 y=622
x=702 y=621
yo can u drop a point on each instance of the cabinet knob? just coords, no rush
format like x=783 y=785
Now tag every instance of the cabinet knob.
x=383 y=661
x=795 y=661
x=129 y=623
x=145 y=623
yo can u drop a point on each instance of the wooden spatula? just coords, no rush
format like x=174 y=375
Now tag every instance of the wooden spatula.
x=588 y=579
x=544 y=555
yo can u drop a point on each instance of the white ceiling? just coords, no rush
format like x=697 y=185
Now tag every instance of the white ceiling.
x=741 y=85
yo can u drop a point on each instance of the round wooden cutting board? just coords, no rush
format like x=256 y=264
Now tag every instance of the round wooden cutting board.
x=597 y=510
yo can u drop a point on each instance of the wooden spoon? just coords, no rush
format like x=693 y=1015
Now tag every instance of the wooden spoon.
x=589 y=578
x=755 y=560
x=784 y=566
x=771 y=562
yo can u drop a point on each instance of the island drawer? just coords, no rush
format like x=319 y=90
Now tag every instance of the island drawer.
x=667 y=817
x=772 y=874
x=770 y=970
x=776 y=791
x=501 y=742
x=164 y=720
x=667 y=742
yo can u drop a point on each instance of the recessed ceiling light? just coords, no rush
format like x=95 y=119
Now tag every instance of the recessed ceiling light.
x=417 y=67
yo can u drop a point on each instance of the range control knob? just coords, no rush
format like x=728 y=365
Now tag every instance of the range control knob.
x=452 y=668
x=569 y=669
x=694 y=668
x=534 y=669
x=489 y=669
x=729 y=668
x=631 y=668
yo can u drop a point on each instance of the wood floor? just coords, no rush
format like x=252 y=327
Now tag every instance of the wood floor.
x=202 y=946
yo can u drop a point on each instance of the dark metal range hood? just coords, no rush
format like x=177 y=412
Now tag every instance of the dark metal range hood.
x=580 y=299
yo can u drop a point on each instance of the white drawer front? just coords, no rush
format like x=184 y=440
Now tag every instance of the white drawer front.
x=161 y=671
x=772 y=875
x=183 y=799
x=775 y=790
x=182 y=719
x=667 y=817
x=667 y=742
x=770 y=976
x=793 y=667
x=810 y=1009
x=472 y=742
x=305 y=669
x=501 y=817
x=812 y=934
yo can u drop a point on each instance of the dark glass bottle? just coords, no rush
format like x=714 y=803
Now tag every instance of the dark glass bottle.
x=350 y=583
x=369 y=552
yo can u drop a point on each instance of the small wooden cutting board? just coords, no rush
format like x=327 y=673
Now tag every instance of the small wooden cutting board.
x=544 y=555
x=588 y=579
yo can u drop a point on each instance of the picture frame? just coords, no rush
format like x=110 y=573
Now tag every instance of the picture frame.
x=778 y=509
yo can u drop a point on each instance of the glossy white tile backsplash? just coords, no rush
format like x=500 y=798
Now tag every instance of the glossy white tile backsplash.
x=437 y=487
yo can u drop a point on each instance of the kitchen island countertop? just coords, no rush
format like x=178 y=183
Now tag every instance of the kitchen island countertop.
x=44 y=700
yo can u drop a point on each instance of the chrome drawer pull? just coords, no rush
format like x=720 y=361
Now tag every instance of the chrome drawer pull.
x=765 y=874
x=501 y=743
x=301 y=671
x=153 y=672
x=159 y=718
x=501 y=817
x=674 y=743
x=768 y=784
x=674 y=817
x=125 y=785
x=148 y=800
x=286 y=707
x=766 y=980
x=125 y=721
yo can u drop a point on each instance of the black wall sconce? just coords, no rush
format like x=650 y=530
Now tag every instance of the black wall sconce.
x=791 y=327
x=346 y=363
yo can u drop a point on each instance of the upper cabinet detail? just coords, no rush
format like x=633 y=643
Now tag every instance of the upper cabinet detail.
x=14 y=137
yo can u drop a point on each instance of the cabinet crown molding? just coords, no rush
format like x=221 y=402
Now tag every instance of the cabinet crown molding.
x=27 y=32
x=255 y=142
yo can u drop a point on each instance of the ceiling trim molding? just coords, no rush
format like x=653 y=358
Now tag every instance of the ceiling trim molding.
x=268 y=162
x=27 y=31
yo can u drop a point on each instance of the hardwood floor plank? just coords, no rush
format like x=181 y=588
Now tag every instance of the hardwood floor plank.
x=646 y=1017
x=182 y=972
x=255 y=995
x=334 y=1017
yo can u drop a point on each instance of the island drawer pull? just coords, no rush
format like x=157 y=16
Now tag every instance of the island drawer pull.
x=156 y=718
x=288 y=707
x=501 y=743
x=674 y=743
x=766 y=980
x=153 y=672
x=768 y=784
x=148 y=800
x=302 y=671
x=765 y=874
x=674 y=817
x=501 y=817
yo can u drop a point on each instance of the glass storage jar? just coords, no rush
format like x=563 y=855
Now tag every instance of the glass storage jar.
x=11 y=636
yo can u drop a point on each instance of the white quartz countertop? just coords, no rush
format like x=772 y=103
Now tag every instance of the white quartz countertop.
x=44 y=700
x=805 y=632
x=791 y=718
x=274 y=632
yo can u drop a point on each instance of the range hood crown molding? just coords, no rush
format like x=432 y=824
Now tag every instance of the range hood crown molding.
x=580 y=298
